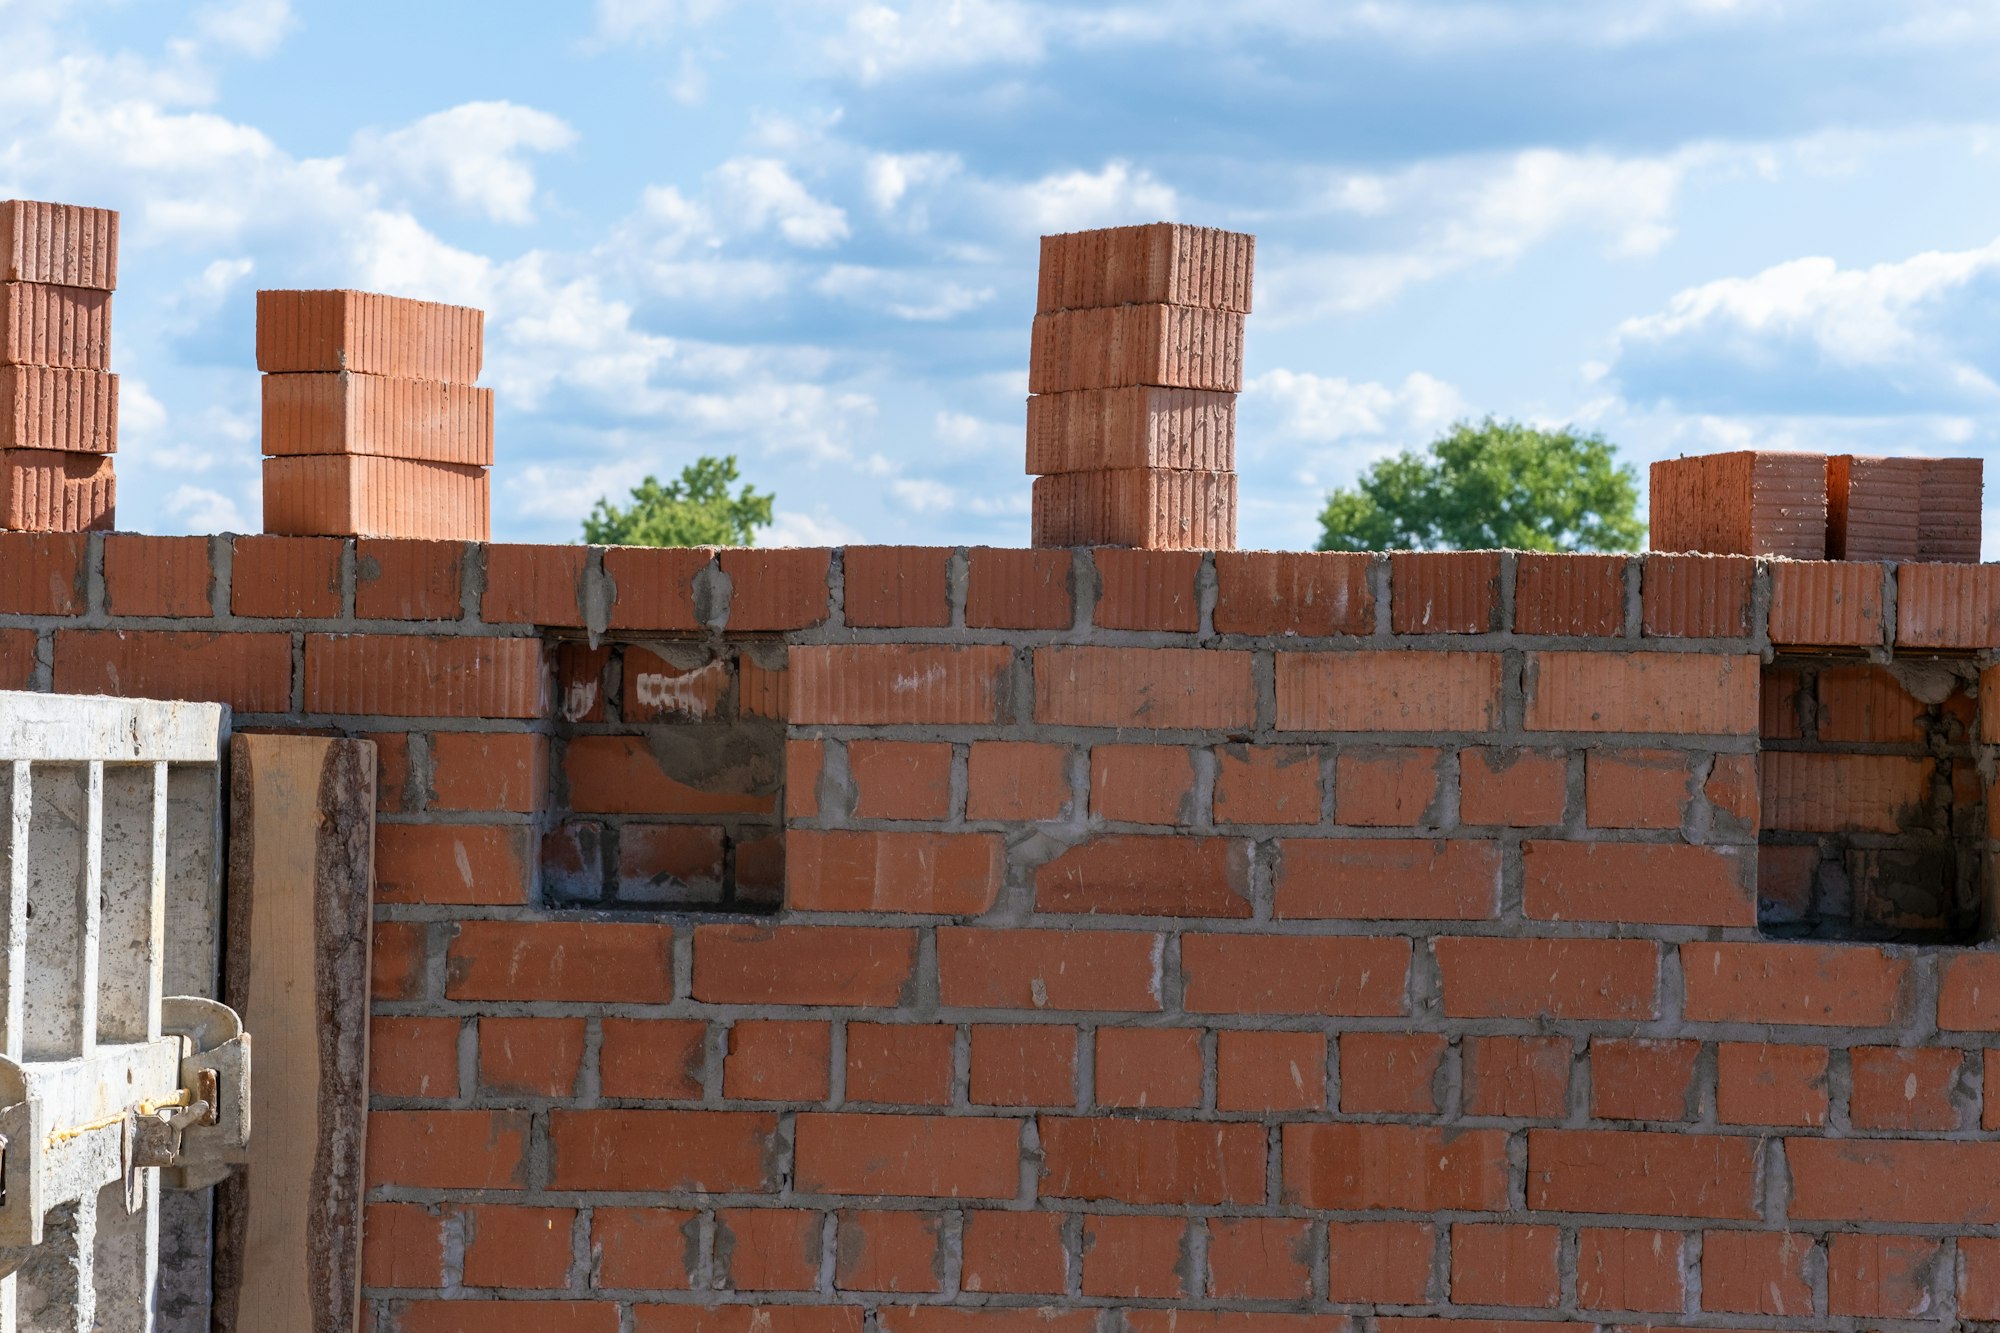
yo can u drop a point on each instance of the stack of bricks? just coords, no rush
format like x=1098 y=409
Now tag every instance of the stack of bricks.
x=1819 y=507
x=1136 y=364
x=372 y=424
x=58 y=399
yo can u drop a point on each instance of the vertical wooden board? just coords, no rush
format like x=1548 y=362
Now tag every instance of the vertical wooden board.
x=295 y=965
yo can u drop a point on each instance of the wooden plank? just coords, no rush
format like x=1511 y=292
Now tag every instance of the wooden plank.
x=295 y=965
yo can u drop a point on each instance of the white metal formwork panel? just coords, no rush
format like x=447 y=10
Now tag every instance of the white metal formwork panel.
x=117 y=1067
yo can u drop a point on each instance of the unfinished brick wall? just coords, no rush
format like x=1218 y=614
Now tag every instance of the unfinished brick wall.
x=1169 y=941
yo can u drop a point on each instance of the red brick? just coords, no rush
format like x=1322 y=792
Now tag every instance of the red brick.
x=1621 y=1171
x=530 y=1057
x=52 y=324
x=1684 y=693
x=1136 y=875
x=1989 y=1101
x=396 y=675
x=896 y=586
x=396 y=962
x=778 y=588
x=1619 y=882
x=1518 y=1077
x=1979 y=1277
x=1402 y=1167
x=1126 y=1257
x=1266 y=784
x=1147 y=590
x=1390 y=1073
x=659 y=1059
x=413 y=1057
x=42 y=573
x=655 y=586
x=678 y=862
x=361 y=495
x=715 y=1151
x=1386 y=788
x=1149 y=507
x=1178 y=347
x=1260 y=1258
x=1825 y=604
x=408 y=580
x=1270 y=1071
x=157 y=576
x=775 y=1060
x=56 y=409
x=1015 y=1253
x=1142 y=784
x=1947 y=606
x=78 y=247
x=1387 y=1263
x=1273 y=974
x=1880 y=1277
x=1141 y=426
x=1696 y=596
x=1492 y=1264
x=576 y=961
x=1388 y=691
x=1080 y=686
x=402 y=1245
x=888 y=1251
x=1023 y=1065
x=17 y=658
x=1614 y=980
x=509 y=1316
x=1828 y=985
x=1741 y=503
x=866 y=871
x=749 y=1318
x=1843 y=793
x=1049 y=969
x=1517 y=788
x=900 y=779
x=1637 y=788
x=1569 y=594
x=644 y=1248
x=51 y=490
x=534 y=585
x=768 y=1249
x=285 y=577
x=1620 y=1269
x=816 y=965
x=448 y=1150
x=623 y=775
x=1018 y=589
x=525 y=1248
x=1637 y=1078
x=337 y=412
x=1885 y=1180
x=890 y=684
x=1874 y=507
x=1148 y=1067
x=1444 y=592
x=1154 y=262
x=465 y=864
x=1763 y=1084
x=1899 y=1088
x=906 y=1064
x=1867 y=703
x=482 y=771
x=1379 y=879
x=369 y=334
x=908 y=1156
x=804 y=761
x=1311 y=594
x=1756 y=1272
x=1969 y=993
x=1951 y=491
x=252 y=673
x=394 y=793
x=1016 y=781
x=1152 y=1161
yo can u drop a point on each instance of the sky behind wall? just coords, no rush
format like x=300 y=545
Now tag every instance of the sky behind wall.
x=805 y=231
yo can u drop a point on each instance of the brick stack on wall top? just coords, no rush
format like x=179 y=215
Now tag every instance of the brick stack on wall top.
x=1134 y=372
x=1819 y=507
x=373 y=426
x=58 y=397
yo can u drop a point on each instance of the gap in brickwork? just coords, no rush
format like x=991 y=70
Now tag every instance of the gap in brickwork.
x=667 y=776
x=1874 y=804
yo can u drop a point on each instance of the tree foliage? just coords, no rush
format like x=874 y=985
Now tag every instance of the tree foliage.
x=1486 y=485
x=696 y=510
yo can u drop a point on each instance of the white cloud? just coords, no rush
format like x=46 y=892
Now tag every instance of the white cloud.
x=651 y=20
x=253 y=27
x=922 y=495
x=1325 y=408
x=1115 y=195
x=921 y=35
x=792 y=527
x=472 y=152
x=891 y=176
x=913 y=295
x=761 y=192
x=966 y=435
x=202 y=510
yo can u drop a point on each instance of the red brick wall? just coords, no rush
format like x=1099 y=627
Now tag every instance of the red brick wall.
x=1185 y=941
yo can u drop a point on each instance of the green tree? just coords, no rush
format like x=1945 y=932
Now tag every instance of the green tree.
x=1488 y=485
x=697 y=510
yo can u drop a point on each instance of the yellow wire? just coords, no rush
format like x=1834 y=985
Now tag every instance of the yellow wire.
x=178 y=1100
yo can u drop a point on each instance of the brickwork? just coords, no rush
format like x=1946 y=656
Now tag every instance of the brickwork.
x=1308 y=941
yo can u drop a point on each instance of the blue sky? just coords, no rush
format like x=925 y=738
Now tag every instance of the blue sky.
x=805 y=231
